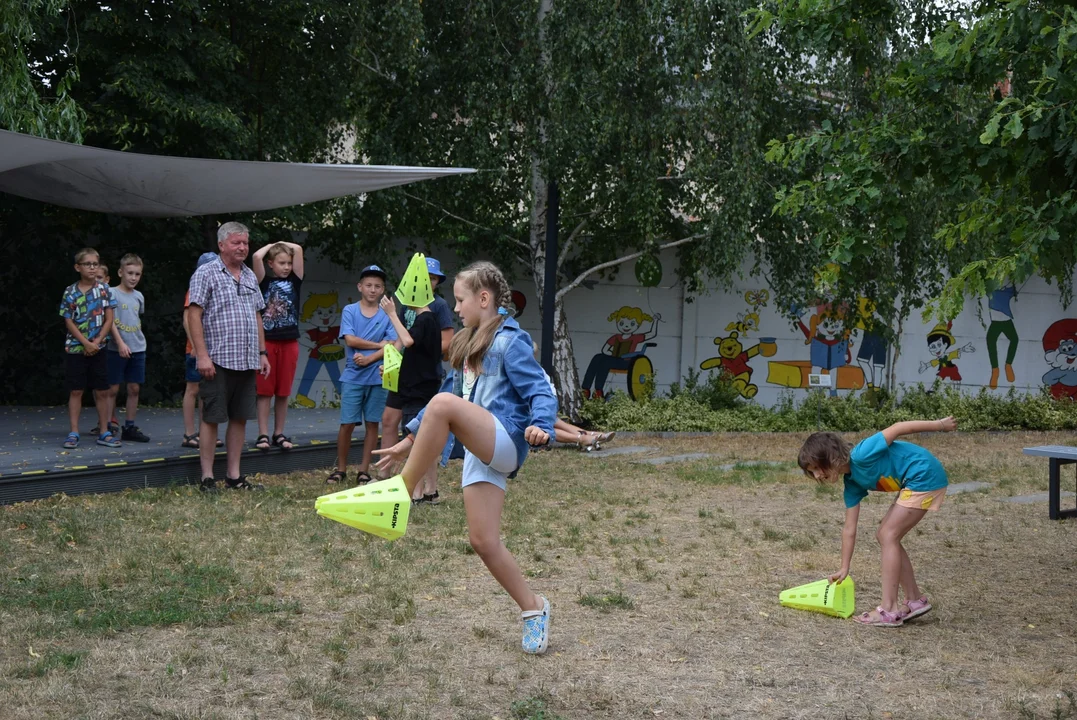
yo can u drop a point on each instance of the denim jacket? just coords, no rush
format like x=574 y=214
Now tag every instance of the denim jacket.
x=511 y=386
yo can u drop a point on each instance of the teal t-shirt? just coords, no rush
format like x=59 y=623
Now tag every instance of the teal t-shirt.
x=874 y=465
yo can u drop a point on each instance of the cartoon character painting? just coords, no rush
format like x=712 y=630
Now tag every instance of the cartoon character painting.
x=321 y=314
x=939 y=341
x=1001 y=324
x=1060 y=352
x=620 y=350
x=871 y=356
x=733 y=361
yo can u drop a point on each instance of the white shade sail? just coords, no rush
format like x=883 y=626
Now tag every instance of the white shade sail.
x=126 y=183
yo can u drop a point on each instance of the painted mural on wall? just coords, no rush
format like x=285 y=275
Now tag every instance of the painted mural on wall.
x=872 y=353
x=623 y=353
x=1060 y=352
x=319 y=332
x=940 y=340
x=1000 y=309
x=733 y=356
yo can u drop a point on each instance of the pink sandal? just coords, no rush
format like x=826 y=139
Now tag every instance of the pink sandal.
x=916 y=608
x=885 y=619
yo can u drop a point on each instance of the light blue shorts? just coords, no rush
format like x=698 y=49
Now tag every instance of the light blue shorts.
x=361 y=403
x=503 y=462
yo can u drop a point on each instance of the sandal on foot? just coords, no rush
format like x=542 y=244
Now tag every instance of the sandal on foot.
x=536 y=637
x=337 y=476
x=362 y=478
x=72 y=441
x=190 y=441
x=220 y=443
x=606 y=436
x=916 y=608
x=882 y=619
x=284 y=443
x=579 y=442
x=262 y=443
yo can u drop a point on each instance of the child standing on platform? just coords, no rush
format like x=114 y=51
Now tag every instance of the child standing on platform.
x=366 y=329
x=280 y=321
x=127 y=352
x=883 y=463
x=501 y=403
x=87 y=308
x=191 y=374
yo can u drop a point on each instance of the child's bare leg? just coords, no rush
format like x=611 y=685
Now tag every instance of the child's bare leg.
x=344 y=444
x=369 y=442
x=132 y=401
x=428 y=485
x=390 y=426
x=482 y=505
x=280 y=414
x=898 y=521
x=472 y=425
x=110 y=396
x=74 y=408
x=263 y=414
x=908 y=579
x=105 y=401
x=190 y=399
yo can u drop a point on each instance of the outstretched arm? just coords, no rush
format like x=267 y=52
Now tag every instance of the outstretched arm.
x=911 y=427
x=848 y=543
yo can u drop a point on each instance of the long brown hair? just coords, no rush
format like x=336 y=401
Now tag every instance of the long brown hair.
x=470 y=344
x=824 y=450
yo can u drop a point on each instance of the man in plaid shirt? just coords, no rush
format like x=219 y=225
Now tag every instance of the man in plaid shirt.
x=229 y=344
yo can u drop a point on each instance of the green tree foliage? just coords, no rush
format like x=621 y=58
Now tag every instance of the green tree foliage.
x=947 y=164
x=33 y=99
x=649 y=116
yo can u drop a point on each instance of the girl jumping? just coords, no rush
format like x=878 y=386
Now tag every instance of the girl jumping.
x=500 y=405
x=882 y=463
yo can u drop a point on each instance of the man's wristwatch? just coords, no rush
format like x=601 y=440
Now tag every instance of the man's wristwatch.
x=264 y=352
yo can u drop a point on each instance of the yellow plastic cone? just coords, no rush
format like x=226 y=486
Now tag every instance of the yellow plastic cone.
x=414 y=289
x=822 y=596
x=390 y=371
x=379 y=508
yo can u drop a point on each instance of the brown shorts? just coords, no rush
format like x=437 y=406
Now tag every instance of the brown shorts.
x=229 y=395
x=930 y=500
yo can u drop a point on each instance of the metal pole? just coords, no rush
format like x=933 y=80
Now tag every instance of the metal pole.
x=549 y=284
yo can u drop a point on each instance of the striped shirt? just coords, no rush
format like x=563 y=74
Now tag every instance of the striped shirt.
x=229 y=320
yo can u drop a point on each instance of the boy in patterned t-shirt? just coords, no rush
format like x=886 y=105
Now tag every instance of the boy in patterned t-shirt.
x=87 y=312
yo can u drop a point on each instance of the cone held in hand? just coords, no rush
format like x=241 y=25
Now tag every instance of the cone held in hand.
x=390 y=371
x=415 y=289
x=379 y=508
x=822 y=596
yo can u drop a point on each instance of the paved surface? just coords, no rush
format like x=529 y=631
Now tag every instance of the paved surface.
x=31 y=438
x=620 y=450
x=1036 y=498
x=674 y=458
x=965 y=487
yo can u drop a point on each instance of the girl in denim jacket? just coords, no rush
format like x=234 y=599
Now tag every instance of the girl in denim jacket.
x=500 y=405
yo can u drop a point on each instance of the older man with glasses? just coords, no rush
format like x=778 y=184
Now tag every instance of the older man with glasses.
x=225 y=324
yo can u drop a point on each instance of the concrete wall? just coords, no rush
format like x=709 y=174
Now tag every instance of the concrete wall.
x=741 y=328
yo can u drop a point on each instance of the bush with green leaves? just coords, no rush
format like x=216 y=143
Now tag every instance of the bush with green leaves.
x=691 y=408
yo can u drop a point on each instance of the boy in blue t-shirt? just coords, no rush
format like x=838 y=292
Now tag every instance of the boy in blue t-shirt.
x=366 y=330
x=882 y=463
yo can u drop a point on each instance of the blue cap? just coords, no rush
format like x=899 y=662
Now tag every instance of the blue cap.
x=206 y=258
x=434 y=268
x=374 y=270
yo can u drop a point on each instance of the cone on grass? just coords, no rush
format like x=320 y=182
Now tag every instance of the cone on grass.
x=379 y=508
x=822 y=596
x=390 y=371
x=415 y=289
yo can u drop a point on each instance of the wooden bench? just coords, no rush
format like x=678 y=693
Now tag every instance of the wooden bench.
x=1059 y=455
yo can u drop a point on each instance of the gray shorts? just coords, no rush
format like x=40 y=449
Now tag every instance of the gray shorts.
x=502 y=464
x=229 y=395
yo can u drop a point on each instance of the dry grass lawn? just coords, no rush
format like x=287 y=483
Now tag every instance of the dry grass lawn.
x=663 y=582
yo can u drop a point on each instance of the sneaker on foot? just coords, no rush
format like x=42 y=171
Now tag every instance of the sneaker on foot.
x=108 y=440
x=132 y=433
x=241 y=483
x=208 y=485
x=537 y=629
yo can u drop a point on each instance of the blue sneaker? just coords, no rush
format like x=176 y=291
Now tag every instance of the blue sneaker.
x=537 y=629
x=108 y=440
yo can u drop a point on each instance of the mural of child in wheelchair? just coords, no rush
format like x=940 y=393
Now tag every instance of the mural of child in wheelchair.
x=620 y=356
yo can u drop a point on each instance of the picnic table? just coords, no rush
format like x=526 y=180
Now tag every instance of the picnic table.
x=1059 y=455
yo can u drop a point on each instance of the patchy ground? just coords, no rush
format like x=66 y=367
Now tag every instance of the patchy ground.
x=663 y=582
